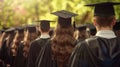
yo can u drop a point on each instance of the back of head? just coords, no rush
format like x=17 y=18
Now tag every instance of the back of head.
x=104 y=13
x=82 y=32
x=45 y=26
x=10 y=35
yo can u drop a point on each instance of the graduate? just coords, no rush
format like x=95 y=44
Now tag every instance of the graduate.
x=37 y=44
x=19 y=35
x=102 y=50
x=57 y=50
x=2 y=35
x=23 y=49
x=81 y=33
x=91 y=29
x=6 y=54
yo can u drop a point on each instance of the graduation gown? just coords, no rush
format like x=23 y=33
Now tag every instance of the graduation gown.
x=20 y=60
x=6 y=55
x=1 y=61
x=45 y=58
x=96 y=52
x=35 y=48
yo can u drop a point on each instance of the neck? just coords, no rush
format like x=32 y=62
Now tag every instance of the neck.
x=103 y=28
x=43 y=33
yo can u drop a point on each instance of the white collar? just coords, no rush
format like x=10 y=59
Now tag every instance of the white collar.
x=45 y=36
x=106 y=34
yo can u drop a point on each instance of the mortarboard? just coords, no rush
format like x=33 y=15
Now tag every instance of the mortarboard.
x=44 y=23
x=91 y=28
x=64 y=17
x=104 y=9
x=10 y=30
x=20 y=29
x=31 y=28
x=82 y=27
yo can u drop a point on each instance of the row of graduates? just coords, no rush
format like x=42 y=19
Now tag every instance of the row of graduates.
x=20 y=46
x=55 y=51
x=63 y=50
x=14 y=40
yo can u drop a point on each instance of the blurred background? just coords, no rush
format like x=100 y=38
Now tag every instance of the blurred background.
x=22 y=12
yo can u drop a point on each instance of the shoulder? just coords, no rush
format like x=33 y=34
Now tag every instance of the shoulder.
x=38 y=43
x=34 y=41
x=88 y=42
x=39 y=40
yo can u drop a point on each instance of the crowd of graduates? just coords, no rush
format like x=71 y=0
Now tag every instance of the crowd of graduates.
x=41 y=46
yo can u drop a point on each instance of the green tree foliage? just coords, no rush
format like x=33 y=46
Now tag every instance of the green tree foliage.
x=22 y=12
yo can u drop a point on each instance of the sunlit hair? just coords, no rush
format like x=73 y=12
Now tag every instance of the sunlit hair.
x=104 y=21
x=28 y=38
x=16 y=41
x=63 y=43
x=9 y=39
x=2 y=38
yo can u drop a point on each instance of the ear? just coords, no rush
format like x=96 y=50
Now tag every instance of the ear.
x=94 y=22
x=114 y=21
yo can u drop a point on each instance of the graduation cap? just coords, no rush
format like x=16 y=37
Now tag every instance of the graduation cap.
x=91 y=28
x=10 y=30
x=20 y=29
x=44 y=23
x=82 y=27
x=104 y=9
x=64 y=17
x=31 y=28
x=117 y=25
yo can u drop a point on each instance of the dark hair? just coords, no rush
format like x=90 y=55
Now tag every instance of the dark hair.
x=104 y=20
x=45 y=26
x=63 y=43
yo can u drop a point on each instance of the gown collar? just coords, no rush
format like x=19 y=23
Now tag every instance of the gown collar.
x=106 y=34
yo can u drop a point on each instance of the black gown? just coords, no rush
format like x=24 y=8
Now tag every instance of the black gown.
x=45 y=58
x=96 y=52
x=20 y=60
x=6 y=54
x=1 y=62
x=35 y=48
